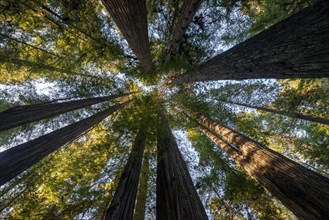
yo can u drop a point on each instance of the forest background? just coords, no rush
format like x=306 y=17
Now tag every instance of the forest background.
x=56 y=51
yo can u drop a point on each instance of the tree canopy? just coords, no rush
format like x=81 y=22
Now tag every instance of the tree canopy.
x=125 y=109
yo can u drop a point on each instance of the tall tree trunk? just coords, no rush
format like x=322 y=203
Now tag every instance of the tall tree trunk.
x=131 y=18
x=17 y=159
x=140 y=209
x=303 y=191
x=123 y=202
x=296 y=47
x=22 y=115
x=176 y=195
x=290 y=114
x=188 y=11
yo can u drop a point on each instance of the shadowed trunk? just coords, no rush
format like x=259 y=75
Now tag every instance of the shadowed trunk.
x=188 y=11
x=140 y=209
x=22 y=115
x=17 y=159
x=176 y=195
x=131 y=18
x=123 y=202
x=296 y=47
x=290 y=114
x=303 y=191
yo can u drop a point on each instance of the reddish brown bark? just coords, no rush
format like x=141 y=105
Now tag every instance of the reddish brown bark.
x=290 y=114
x=139 y=213
x=22 y=115
x=190 y=7
x=296 y=47
x=17 y=159
x=123 y=202
x=131 y=18
x=176 y=194
x=303 y=191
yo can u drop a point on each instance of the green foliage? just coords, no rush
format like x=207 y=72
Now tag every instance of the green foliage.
x=235 y=195
x=72 y=181
x=76 y=51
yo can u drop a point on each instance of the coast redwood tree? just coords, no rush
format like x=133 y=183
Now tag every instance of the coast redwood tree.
x=176 y=195
x=292 y=48
x=187 y=13
x=19 y=158
x=123 y=202
x=72 y=47
x=303 y=191
x=140 y=210
x=289 y=114
x=22 y=115
x=131 y=18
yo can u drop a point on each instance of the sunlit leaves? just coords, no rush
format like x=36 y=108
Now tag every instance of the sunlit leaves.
x=73 y=181
x=75 y=50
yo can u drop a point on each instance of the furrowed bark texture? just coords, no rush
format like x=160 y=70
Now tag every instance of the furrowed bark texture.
x=131 y=18
x=140 y=209
x=304 y=192
x=17 y=159
x=289 y=114
x=190 y=7
x=232 y=152
x=177 y=198
x=22 y=115
x=297 y=47
x=123 y=202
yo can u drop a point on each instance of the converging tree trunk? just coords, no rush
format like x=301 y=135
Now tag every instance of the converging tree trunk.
x=22 y=115
x=131 y=18
x=17 y=159
x=290 y=114
x=303 y=191
x=176 y=195
x=190 y=7
x=139 y=213
x=123 y=202
x=296 y=47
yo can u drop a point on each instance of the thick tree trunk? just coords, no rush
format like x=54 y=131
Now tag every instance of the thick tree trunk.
x=176 y=195
x=131 y=18
x=296 y=47
x=230 y=150
x=17 y=159
x=188 y=11
x=140 y=209
x=123 y=202
x=22 y=115
x=303 y=191
x=290 y=114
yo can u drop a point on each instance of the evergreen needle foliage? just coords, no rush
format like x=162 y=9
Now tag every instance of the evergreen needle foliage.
x=175 y=109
